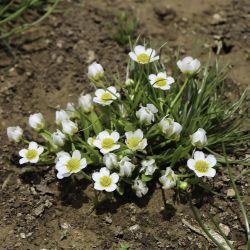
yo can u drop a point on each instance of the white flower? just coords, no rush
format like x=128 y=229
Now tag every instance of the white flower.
x=161 y=80
x=143 y=55
x=168 y=180
x=69 y=127
x=14 y=133
x=85 y=103
x=31 y=154
x=110 y=160
x=61 y=116
x=202 y=165
x=105 y=97
x=129 y=82
x=140 y=187
x=95 y=71
x=107 y=142
x=58 y=138
x=36 y=121
x=90 y=141
x=67 y=164
x=171 y=128
x=146 y=114
x=126 y=167
x=105 y=181
x=199 y=138
x=148 y=166
x=70 y=109
x=188 y=65
x=135 y=141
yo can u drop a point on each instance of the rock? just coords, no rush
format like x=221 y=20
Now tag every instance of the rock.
x=225 y=229
x=22 y=235
x=218 y=19
x=90 y=56
x=164 y=12
x=65 y=225
x=134 y=228
x=108 y=219
x=230 y=192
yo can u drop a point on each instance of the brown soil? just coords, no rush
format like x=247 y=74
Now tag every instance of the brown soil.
x=38 y=211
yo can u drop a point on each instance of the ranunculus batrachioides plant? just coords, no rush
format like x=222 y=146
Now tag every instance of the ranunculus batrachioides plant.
x=161 y=124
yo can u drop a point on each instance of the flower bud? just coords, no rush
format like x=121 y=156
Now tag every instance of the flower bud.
x=140 y=188
x=183 y=185
x=58 y=138
x=14 y=133
x=69 y=127
x=61 y=116
x=126 y=167
x=199 y=138
x=36 y=121
x=85 y=103
x=110 y=160
x=95 y=71
x=129 y=82
x=146 y=114
x=171 y=128
x=168 y=180
x=188 y=65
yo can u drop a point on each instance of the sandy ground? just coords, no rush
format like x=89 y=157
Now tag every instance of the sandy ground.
x=37 y=211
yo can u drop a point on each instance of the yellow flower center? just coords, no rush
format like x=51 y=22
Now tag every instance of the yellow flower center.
x=201 y=166
x=73 y=164
x=160 y=82
x=143 y=58
x=108 y=143
x=106 y=97
x=31 y=154
x=133 y=142
x=105 y=181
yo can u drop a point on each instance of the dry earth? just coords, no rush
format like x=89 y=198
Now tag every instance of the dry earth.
x=38 y=211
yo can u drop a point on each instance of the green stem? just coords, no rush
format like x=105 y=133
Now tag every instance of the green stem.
x=178 y=95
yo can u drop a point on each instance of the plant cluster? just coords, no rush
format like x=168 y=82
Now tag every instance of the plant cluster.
x=14 y=15
x=162 y=124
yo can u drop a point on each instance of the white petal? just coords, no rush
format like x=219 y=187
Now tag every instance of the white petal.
x=99 y=92
x=96 y=176
x=33 y=145
x=23 y=152
x=138 y=133
x=83 y=163
x=104 y=171
x=35 y=160
x=103 y=135
x=114 y=177
x=115 y=135
x=98 y=186
x=133 y=56
x=111 y=188
x=152 y=78
x=170 y=80
x=139 y=49
x=23 y=160
x=40 y=150
x=112 y=89
x=191 y=163
x=76 y=154
x=211 y=172
x=211 y=160
x=162 y=75
x=198 y=155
